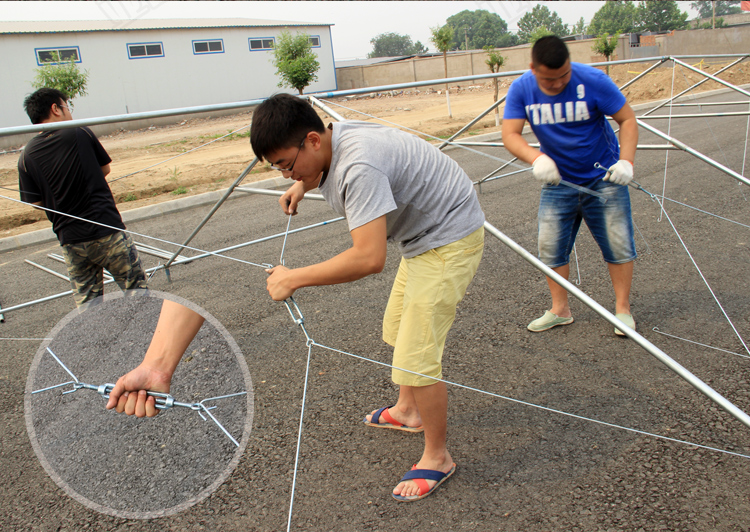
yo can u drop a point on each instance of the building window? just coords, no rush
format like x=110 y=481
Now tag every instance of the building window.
x=208 y=47
x=54 y=56
x=145 y=49
x=266 y=43
x=315 y=41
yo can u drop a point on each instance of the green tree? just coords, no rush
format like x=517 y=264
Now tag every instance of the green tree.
x=617 y=16
x=606 y=45
x=393 y=44
x=538 y=33
x=579 y=28
x=494 y=61
x=480 y=28
x=63 y=76
x=660 y=15
x=442 y=38
x=296 y=64
x=723 y=7
x=714 y=23
x=540 y=16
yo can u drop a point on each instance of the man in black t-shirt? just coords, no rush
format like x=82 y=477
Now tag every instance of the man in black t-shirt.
x=64 y=170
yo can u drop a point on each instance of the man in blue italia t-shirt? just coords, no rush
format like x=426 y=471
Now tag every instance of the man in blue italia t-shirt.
x=566 y=105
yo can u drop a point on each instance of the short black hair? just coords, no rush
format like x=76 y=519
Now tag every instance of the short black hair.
x=282 y=121
x=550 y=51
x=38 y=105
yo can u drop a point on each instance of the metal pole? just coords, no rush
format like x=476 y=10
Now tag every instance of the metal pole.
x=536 y=145
x=637 y=338
x=61 y=294
x=477 y=119
x=488 y=179
x=701 y=82
x=35 y=128
x=718 y=80
x=485 y=178
x=269 y=192
x=211 y=213
x=53 y=272
x=639 y=76
x=705 y=104
x=264 y=239
x=333 y=114
x=694 y=115
x=693 y=152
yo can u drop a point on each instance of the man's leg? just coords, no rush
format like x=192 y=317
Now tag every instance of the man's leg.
x=560 y=304
x=86 y=277
x=405 y=411
x=432 y=403
x=622 y=279
x=420 y=313
x=611 y=225
x=122 y=261
x=558 y=221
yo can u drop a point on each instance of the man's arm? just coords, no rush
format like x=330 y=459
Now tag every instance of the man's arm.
x=544 y=168
x=294 y=194
x=625 y=118
x=176 y=328
x=621 y=173
x=105 y=170
x=365 y=257
x=514 y=141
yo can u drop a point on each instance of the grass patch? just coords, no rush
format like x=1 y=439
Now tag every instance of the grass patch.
x=174 y=173
x=179 y=190
x=130 y=197
x=175 y=143
x=234 y=136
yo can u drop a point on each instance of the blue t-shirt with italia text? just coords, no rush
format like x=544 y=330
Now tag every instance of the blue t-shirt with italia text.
x=571 y=127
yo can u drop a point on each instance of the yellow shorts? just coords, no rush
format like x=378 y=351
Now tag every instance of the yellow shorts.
x=422 y=307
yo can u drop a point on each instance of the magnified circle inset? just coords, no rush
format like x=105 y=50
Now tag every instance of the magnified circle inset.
x=122 y=465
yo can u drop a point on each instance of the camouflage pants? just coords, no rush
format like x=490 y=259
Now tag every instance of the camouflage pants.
x=87 y=260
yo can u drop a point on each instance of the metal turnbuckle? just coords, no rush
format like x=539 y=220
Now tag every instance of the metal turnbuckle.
x=298 y=319
x=163 y=401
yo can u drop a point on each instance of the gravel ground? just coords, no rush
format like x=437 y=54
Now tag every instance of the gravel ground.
x=520 y=467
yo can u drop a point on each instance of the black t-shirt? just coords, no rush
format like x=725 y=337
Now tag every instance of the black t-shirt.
x=62 y=169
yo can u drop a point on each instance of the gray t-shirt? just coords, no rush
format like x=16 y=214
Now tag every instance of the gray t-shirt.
x=427 y=199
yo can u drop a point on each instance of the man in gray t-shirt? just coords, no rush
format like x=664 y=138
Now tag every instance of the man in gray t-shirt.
x=393 y=186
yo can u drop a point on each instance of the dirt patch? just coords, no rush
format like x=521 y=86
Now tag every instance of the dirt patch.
x=143 y=171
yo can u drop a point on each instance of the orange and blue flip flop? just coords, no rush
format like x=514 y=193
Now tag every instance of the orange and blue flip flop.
x=382 y=419
x=420 y=478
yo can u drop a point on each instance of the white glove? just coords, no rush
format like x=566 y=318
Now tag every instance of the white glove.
x=545 y=170
x=620 y=173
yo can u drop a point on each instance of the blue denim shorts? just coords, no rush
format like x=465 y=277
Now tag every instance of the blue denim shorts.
x=561 y=209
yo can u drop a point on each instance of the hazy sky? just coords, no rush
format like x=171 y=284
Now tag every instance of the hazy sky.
x=355 y=23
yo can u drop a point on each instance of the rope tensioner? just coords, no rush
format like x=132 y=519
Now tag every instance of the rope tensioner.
x=164 y=401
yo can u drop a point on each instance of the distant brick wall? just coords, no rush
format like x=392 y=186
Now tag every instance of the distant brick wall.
x=731 y=40
x=729 y=20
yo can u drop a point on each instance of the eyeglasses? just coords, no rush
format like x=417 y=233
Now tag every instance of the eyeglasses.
x=291 y=166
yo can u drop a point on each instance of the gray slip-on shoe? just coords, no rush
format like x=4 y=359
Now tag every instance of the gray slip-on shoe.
x=627 y=319
x=547 y=321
